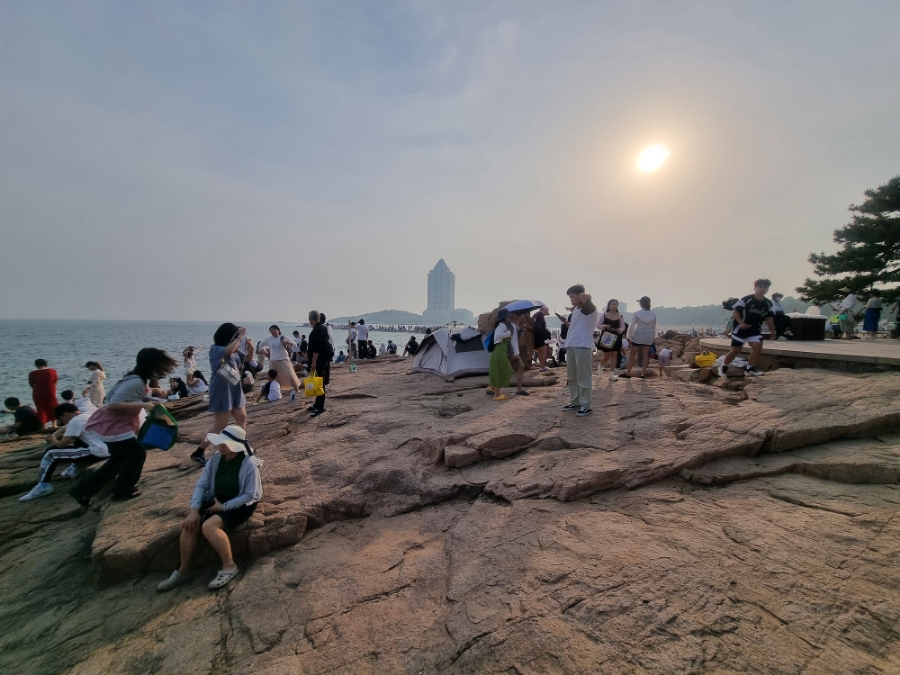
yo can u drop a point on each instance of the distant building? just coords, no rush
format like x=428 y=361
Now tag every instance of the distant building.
x=441 y=294
x=463 y=316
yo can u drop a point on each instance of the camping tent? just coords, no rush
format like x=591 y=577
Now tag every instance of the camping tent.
x=452 y=353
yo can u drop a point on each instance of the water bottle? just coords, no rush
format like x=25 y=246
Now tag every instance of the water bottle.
x=293 y=394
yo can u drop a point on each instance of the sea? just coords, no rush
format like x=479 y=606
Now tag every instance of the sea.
x=67 y=345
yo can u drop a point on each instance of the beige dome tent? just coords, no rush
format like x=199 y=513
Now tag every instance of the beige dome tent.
x=452 y=353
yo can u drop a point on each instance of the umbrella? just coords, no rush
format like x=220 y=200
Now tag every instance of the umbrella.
x=524 y=305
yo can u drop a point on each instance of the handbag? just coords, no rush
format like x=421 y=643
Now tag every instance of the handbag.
x=705 y=359
x=229 y=372
x=159 y=430
x=313 y=385
x=608 y=339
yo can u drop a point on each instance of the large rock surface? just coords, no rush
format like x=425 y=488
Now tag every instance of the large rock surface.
x=419 y=526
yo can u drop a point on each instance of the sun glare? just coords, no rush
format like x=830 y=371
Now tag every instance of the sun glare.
x=652 y=158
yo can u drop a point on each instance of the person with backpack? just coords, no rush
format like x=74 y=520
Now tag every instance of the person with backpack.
x=320 y=354
x=749 y=314
x=117 y=424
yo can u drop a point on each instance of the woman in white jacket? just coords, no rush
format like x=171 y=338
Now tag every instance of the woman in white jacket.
x=226 y=496
x=641 y=334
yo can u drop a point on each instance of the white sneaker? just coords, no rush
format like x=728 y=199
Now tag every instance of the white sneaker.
x=39 y=490
x=613 y=377
x=174 y=579
x=782 y=339
x=70 y=472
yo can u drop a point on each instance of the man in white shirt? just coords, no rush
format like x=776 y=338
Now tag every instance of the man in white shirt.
x=275 y=347
x=362 y=339
x=73 y=444
x=579 y=346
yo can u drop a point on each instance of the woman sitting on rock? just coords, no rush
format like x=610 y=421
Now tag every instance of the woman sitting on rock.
x=226 y=496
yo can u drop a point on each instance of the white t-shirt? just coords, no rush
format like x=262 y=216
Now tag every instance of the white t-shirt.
x=353 y=334
x=277 y=352
x=848 y=302
x=274 y=391
x=581 y=329
x=362 y=332
x=75 y=429
x=84 y=405
x=199 y=388
x=296 y=348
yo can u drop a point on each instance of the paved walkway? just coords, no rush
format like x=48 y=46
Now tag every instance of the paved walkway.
x=880 y=352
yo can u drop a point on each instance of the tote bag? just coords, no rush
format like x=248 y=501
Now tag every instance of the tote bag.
x=608 y=339
x=159 y=429
x=313 y=385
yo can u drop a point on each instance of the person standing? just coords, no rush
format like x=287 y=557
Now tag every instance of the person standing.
x=96 y=390
x=276 y=346
x=362 y=339
x=43 y=390
x=295 y=348
x=320 y=354
x=117 y=425
x=782 y=320
x=641 y=334
x=873 y=314
x=579 y=344
x=848 y=323
x=612 y=328
x=352 y=346
x=500 y=367
x=749 y=314
x=190 y=361
x=542 y=336
x=226 y=393
x=563 y=332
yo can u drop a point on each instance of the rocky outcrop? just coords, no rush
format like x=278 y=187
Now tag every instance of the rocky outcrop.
x=419 y=526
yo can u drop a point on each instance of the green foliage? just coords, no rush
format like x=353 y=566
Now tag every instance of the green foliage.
x=870 y=257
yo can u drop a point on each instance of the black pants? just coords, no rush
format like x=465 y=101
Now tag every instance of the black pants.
x=323 y=371
x=126 y=460
x=363 y=349
x=782 y=323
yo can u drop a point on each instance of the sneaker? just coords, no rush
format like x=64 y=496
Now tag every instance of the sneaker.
x=584 y=412
x=199 y=456
x=544 y=369
x=788 y=333
x=723 y=370
x=753 y=372
x=124 y=498
x=782 y=339
x=570 y=408
x=626 y=376
x=39 y=490
x=174 y=579
x=315 y=412
x=75 y=494
x=613 y=377
x=70 y=472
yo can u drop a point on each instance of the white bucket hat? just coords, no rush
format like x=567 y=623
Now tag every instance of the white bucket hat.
x=232 y=436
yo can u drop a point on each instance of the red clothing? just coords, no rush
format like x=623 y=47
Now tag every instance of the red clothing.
x=43 y=392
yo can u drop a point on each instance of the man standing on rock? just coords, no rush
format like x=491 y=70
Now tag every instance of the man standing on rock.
x=362 y=339
x=749 y=313
x=320 y=353
x=579 y=346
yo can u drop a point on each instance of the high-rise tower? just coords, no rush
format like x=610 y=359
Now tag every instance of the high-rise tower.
x=441 y=294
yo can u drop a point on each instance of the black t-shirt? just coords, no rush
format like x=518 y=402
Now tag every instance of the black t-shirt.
x=27 y=419
x=319 y=344
x=412 y=346
x=754 y=311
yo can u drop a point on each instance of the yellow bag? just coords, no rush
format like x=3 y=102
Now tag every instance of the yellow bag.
x=313 y=386
x=705 y=359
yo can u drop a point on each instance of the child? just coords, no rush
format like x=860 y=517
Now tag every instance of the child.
x=271 y=390
x=25 y=419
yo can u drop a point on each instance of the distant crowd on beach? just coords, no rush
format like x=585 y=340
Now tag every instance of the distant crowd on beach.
x=100 y=426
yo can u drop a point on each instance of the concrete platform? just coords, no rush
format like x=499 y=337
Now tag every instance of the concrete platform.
x=852 y=355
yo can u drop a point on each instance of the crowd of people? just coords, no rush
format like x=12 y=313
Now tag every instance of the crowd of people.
x=100 y=427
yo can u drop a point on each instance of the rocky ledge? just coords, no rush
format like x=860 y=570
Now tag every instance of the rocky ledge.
x=419 y=526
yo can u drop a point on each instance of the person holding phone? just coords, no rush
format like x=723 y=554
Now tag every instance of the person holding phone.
x=226 y=396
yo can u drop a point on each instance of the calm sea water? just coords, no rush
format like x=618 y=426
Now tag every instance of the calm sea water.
x=68 y=345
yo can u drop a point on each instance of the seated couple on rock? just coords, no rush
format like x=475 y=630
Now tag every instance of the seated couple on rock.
x=226 y=496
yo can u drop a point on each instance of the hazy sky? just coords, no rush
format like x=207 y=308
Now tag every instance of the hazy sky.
x=253 y=160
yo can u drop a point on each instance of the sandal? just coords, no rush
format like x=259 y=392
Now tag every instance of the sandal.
x=222 y=579
x=501 y=397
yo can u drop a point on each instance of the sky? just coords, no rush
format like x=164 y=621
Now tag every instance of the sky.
x=253 y=161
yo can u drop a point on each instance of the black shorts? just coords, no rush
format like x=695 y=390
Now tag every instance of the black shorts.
x=744 y=336
x=231 y=518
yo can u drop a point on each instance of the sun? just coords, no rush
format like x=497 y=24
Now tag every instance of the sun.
x=652 y=158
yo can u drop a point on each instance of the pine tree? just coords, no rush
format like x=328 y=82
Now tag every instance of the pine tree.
x=870 y=257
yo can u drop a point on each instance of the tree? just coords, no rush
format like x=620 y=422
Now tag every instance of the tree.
x=870 y=257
